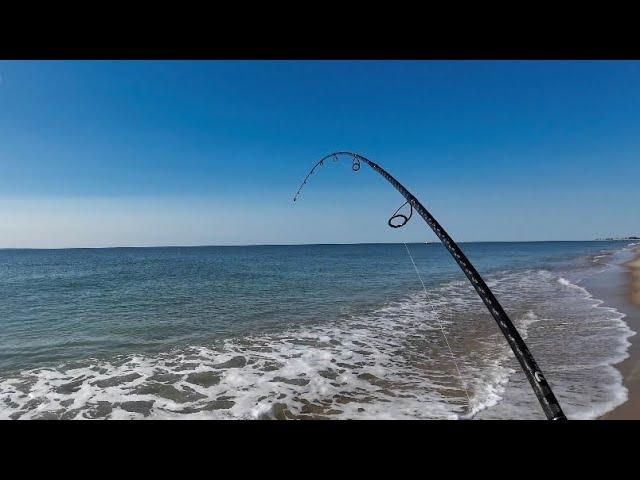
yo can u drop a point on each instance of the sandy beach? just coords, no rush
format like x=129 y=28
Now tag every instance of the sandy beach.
x=628 y=301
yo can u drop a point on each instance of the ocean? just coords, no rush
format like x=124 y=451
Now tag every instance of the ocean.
x=309 y=331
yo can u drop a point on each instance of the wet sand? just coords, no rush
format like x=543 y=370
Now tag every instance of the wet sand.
x=627 y=300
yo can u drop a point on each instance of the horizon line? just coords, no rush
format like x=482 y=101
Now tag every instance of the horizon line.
x=311 y=244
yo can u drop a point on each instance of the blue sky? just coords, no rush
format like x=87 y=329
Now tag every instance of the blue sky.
x=196 y=153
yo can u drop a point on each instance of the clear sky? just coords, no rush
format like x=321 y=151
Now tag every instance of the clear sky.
x=211 y=153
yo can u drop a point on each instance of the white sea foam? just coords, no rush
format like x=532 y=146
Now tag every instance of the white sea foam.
x=566 y=283
x=391 y=363
x=343 y=371
x=578 y=352
x=613 y=316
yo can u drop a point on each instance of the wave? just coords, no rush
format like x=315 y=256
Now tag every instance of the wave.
x=355 y=370
x=618 y=393
x=391 y=363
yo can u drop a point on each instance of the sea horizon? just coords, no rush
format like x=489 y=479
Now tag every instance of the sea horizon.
x=310 y=244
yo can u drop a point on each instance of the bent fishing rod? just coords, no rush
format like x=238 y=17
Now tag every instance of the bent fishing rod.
x=541 y=388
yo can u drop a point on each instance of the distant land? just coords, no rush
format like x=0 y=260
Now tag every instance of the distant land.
x=619 y=238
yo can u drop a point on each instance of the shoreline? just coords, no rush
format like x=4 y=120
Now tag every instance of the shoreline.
x=628 y=302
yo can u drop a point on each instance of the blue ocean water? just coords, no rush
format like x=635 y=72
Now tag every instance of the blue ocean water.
x=337 y=331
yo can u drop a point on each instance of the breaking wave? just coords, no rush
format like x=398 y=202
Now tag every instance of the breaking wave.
x=391 y=363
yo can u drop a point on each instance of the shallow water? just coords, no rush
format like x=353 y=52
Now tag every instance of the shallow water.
x=320 y=331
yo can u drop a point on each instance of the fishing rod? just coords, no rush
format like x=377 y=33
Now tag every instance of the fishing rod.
x=541 y=388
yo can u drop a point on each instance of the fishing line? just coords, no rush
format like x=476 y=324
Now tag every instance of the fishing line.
x=403 y=221
x=444 y=334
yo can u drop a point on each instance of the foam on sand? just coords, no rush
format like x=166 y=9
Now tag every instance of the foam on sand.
x=391 y=363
